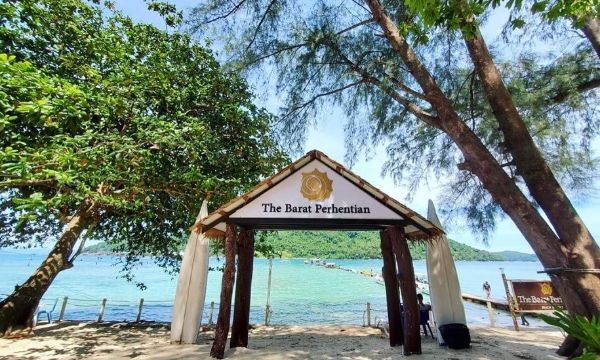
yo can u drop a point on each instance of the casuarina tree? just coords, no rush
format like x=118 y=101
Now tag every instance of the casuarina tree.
x=509 y=133
x=116 y=131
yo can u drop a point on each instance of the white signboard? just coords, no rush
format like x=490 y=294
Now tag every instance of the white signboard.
x=316 y=191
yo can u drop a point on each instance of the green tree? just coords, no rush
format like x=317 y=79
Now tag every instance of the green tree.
x=116 y=131
x=582 y=14
x=356 y=245
x=425 y=78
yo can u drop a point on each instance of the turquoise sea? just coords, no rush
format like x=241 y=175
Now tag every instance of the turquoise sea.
x=301 y=293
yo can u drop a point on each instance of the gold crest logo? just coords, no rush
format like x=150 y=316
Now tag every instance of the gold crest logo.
x=546 y=289
x=316 y=185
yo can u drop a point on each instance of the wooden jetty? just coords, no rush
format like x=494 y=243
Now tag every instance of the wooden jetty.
x=499 y=304
x=422 y=285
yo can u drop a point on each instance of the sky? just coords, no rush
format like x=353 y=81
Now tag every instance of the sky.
x=328 y=137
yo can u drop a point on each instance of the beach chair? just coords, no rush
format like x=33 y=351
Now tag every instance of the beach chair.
x=424 y=320
x=42 y=309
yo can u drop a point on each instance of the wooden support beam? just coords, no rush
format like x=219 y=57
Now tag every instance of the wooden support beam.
x=391 y=290
x=222 y=329
x=139 y=315
x=243 y=284
x=406 y=272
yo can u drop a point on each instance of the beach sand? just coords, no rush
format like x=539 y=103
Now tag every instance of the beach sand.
x=116 y=341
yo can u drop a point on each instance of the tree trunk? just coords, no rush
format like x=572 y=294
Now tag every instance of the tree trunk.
x=580 y=249
x=222 y=329
x=591 y=29
x=18 y=309
x=477 y=158
x=568 y=346
x=391 y=290
x=411 y=325
x=479 y=161
x=243 y=285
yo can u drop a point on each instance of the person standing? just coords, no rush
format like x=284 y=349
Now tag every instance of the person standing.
x=487 y=289
x=424 y=310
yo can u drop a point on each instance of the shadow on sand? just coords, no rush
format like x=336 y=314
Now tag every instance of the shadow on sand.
x=151 y=341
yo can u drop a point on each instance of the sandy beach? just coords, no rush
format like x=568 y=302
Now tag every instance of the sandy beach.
x=118 y=341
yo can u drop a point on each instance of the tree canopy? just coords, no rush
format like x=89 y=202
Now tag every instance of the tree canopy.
x=333 y=53
x=143 y=122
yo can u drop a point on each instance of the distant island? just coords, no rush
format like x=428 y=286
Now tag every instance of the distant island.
x=516 y=256
x=350 y=245
x=365 y=245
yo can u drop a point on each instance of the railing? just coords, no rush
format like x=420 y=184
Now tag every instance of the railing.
x=110 y=309
x=82 y=309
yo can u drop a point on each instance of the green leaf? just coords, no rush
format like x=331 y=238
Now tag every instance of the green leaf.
x=518 y=23
x=539 y=6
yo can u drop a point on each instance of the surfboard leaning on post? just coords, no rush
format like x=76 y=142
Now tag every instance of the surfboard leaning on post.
x=191 y=287
x=444 y=288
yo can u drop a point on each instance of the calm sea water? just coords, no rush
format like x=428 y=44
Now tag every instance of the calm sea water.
x=301 y=293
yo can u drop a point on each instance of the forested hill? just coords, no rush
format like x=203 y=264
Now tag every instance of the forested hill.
x=353 y=245
x=516 y=256
x=356 y=245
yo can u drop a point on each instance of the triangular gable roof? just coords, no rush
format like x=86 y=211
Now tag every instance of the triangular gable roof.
x=416 y=226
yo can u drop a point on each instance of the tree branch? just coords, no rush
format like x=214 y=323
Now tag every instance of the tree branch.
x=465 y=166
x=408 y=105
x=262 y=19
x=276 y=52
x=360 y=5
x=583 y=87
x=367 y=77
x=508 y=164
x=297 y=46
x=351 y=27
x=591 y=29
x=405 y=88
x=26 y=183
x=327 y=93
x=227 y=14
x=416 y=68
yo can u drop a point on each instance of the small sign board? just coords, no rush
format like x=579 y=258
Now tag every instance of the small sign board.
x=535 y=295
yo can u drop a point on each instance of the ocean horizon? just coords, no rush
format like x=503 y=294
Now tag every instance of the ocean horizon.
x=301 y=293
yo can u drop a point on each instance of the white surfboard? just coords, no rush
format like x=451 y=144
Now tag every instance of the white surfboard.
x=191 y=287
x=444 y=288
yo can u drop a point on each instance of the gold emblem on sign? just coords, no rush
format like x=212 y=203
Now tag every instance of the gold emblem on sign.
x=316 y=185
x=546 y=289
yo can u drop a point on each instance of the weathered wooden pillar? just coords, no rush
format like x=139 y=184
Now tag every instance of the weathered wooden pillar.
x=243 y=285
x=391 y=290
x=222 y=329
x=406 y=272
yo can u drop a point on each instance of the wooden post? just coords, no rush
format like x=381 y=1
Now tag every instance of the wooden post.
x=511 y=305
x=492 y=313
x=268 y=304
x=391 y=290
x=63 y=308
x=369 y=314
x=139 y=315
x=243 y=284
x=212 y=310
x=101 y=311
x=222 y=329
x=408 y=286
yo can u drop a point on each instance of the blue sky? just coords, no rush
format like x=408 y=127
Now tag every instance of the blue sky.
x=328 y=137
